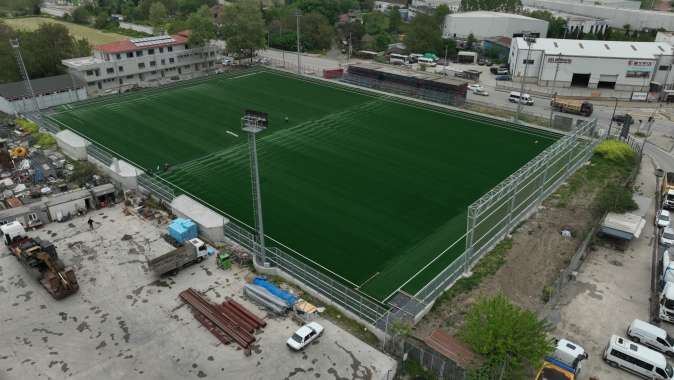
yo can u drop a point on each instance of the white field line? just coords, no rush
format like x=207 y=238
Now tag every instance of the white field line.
x=427 y=265
x=232 y=133
x=366 y=281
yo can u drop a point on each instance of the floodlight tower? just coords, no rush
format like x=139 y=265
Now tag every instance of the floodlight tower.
x=254 y=122
x=529 y=39
x=14 y=42
x=299 y=64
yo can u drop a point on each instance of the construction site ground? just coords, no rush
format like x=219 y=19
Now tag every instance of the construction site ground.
x=125 y=322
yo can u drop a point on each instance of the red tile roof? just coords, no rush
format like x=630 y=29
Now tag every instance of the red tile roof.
x=128 y=46
x=451 y=348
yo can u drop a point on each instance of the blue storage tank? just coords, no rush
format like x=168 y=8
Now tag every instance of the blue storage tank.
x=182 y=229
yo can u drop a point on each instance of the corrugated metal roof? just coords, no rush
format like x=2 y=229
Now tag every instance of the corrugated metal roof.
x=17 y=90
x=598 y=48
x=489 y=14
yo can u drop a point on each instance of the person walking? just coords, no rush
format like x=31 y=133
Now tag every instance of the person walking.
x=90 y=222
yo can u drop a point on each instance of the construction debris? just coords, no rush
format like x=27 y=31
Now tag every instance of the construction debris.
x=229 y=321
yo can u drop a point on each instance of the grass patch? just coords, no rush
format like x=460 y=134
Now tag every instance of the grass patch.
x=414 y=370
x=487 y=266
x=94 y=36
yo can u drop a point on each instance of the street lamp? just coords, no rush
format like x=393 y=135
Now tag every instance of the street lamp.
x=297 y=15
x=529 y=39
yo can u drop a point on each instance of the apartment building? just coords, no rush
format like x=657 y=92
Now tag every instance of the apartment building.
x=142 y=62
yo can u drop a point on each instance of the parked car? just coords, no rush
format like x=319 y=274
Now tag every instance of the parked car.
x=516 y=97
x=481 y=92
x=619 y=118
x=667 y=237
x=227 y=61
x=304 y=336
x=474 y=86
x=502 y=77
x=663 y=218
x=480 y=62
x=487 y=62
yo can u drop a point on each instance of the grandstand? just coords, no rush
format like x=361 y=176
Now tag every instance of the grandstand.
x=416 y=84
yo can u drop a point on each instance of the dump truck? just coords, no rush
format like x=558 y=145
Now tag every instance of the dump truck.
x=192 y=251
x=577 y=107
x=668 y=191
x=40 y=259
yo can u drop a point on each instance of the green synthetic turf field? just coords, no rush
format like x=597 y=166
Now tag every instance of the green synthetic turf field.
x=369 y=187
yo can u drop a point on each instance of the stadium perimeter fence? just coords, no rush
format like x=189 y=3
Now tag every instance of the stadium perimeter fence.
x=490 y=218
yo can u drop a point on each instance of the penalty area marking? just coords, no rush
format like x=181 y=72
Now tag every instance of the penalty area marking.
x=366 y=281
x=232 y=133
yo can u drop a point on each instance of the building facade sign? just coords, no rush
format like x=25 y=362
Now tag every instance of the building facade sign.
x=559 y=60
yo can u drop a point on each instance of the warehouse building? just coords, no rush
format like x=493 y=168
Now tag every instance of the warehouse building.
x=618 y=65
x=482 y=24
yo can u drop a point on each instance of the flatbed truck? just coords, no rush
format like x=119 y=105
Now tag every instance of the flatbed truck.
x=192 y=251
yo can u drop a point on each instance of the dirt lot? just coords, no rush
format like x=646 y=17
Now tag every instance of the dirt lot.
x=126 y=323
x=538 y=254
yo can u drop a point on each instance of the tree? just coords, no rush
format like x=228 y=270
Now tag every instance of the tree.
x=158 y=14
x=424 y=35
x=202 y=29
x=81 y=15
x=470 y=42
x=375 y=23
x=102 y=20
x=491 y=5
x=316 y=32
x=509 y=338
x=440 y=13
x=394 y=20
x=243 y=28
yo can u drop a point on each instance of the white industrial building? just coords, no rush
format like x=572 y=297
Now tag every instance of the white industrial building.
x=453 y=5
x=577 y=24
x=150 y=61
x=618 y=65
x=483 y=24
x=49 y=92
x=637 y=19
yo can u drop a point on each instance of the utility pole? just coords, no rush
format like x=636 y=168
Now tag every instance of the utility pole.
x=24 y=73
x=283 y=50
x=348 y=52
x=299 y=65
x=612 y=116
x=254 y=122
x=554 y=83
x=529 y=40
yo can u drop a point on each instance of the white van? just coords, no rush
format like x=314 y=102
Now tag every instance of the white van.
x=515 y=97
x=642 y=361
x=667 y=303
x=651 y=336
x=426 y=61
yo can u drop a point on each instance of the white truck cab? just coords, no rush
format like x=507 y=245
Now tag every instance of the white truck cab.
x=570 y=354
x=12 y=231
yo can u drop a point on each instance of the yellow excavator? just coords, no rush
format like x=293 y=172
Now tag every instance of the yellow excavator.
x=41 y=260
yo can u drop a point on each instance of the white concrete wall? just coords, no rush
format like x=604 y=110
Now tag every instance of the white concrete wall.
x=616 y=17
x=72 y=145
x=456 y=26
x=137 y=27
x=66 y=208
x=6 y=106
x=51 y=100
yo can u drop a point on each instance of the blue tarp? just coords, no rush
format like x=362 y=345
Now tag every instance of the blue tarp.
x=182 y=229
x=287 y=297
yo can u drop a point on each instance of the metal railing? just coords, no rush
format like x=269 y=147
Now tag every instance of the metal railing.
x=497 y=212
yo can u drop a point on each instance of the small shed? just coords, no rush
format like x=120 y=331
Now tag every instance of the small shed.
x=452 y=349
x=622 y=226
x=62 y=206
x=211 y=224
x=30 y=215
x=72 y=144
x=467 y=57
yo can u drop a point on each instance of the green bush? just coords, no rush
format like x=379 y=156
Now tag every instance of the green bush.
x=27 y=126
x=45 y=140
x=615 y=198
x=616 y=151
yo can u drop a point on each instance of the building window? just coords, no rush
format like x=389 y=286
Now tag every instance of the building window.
x=637 y=74
x=161 y=49
x=129 y=55
x=141 y=65
x=139 y=53
x=150 y=51
x=528 y=62
x=110 y=70
x=129 y=77
x=153 y=63
x=163 y=61
x=170 y=48
x=97 y=72
x=120 y=69
x=118 y=56
x=187 y=47
x=90 y=72
x=664 y=68
x=171 y=60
